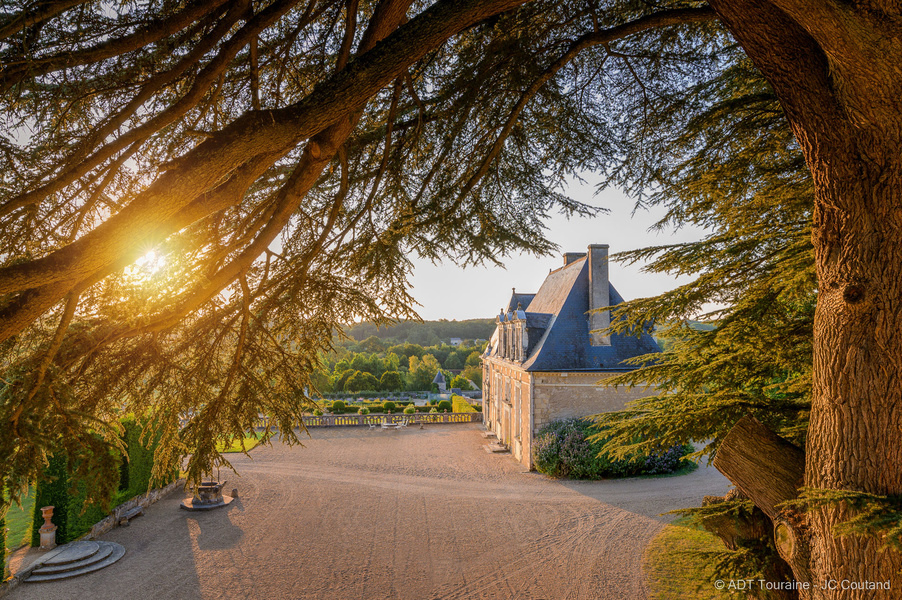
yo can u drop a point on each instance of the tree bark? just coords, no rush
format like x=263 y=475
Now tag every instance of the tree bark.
x=842 y=94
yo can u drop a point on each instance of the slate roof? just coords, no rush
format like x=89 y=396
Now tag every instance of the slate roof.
x=522 y=300
x=439 y=378
x=559 y=308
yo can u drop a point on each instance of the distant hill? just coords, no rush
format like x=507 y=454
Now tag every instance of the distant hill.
x=426 y=333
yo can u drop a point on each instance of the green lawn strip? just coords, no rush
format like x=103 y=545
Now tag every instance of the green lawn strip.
x=18 y=521
x=675 y=570
x=250 y=441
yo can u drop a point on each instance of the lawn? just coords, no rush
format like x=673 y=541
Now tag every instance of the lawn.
x=18 y=522
x=250 y=441
x=673 y=572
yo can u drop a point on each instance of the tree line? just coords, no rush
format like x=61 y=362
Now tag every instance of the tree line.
x=401 y=367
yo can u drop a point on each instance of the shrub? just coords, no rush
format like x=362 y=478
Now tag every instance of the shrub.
x=389 y=406
x=3 y=546
x=461 y=404
x=433 y=410
x=363 y=411
x=338 y=407
x=391 y=381
x=461 y=383
x=410 y=409
x=73 y=514
x=563 y=449
x=317 y=412
x=444 y=406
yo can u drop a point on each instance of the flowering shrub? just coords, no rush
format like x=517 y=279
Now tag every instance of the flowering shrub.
x=563 y=449
x=363 y=411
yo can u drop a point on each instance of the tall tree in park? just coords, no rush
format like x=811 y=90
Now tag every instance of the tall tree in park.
x=194 y=194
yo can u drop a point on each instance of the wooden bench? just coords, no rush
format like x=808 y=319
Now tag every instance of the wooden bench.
x=129 y=515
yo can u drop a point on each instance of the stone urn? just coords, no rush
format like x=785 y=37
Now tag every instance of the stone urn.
x=48 y=529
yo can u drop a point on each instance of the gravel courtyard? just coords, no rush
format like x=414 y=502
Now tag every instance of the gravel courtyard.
x=409 y=514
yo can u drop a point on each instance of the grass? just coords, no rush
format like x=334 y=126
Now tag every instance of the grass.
x=250 y=441
x=18 y=521
x=673 y=572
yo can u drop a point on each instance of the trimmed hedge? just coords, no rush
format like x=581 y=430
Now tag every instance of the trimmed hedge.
x=461 y=405
x=444 y=406
x=72 y=515
x=3 y=548
x=562 y=449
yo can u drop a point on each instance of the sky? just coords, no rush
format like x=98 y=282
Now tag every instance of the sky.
x=446 y=291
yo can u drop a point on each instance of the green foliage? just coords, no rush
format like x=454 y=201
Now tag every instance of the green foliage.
x=474 y=359
x=317 y=412
x=874 y=515
x=473 y=374
x=572 y=448
x=79 y=502
x=19 y=521
x=752 y=557
x=3 y=546
x=409 y=410
x=361 y=381
x=421 y=372
x=408 y=331
x=678 y=567
x=391 y=381
x=459 y=404
x=444 y=406
x=363 y=411
x=719 y=154
x=53 y=490
x=338 y=407
x=461 y=383
x=389 y=406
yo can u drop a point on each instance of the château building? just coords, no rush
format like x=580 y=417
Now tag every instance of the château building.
x=547 y=358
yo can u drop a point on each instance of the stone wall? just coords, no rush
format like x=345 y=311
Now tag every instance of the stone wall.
x=544 y=397
x=144 y=500
x=505 y=402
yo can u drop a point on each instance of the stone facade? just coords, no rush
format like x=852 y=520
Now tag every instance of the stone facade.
x=547 y=361
x=517 y=404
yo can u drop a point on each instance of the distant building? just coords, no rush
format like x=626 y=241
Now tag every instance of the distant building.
x=544 y=361
x=456 y=341
x=440 y=382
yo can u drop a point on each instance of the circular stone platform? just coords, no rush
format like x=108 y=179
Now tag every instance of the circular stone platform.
x=189 y=504
x=73 y=559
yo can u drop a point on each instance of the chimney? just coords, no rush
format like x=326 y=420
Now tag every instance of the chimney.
x=569 y=257
x=599 y=294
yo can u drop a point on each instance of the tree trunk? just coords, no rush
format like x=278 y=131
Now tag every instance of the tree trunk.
x=834 y=66
x=856 y=417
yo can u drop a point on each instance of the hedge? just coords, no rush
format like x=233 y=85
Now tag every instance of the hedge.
x=460 y=404
x=72 y=515
x=562 y=449
x=2 y=547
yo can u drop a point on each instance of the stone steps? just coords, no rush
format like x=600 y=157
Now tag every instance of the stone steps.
x=72 y=560
x=496 y=448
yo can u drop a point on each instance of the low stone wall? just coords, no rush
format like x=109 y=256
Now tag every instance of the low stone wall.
x=144 y=500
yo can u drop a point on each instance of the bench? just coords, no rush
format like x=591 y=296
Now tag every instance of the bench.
x=130 y=514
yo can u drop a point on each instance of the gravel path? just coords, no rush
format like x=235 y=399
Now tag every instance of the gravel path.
x=410 y=514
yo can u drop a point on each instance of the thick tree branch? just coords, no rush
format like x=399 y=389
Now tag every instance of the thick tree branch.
x=48 y=10
x=256 y=133
x=15 y=71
